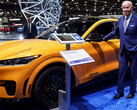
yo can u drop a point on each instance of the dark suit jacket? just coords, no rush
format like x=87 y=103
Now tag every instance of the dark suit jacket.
x=26 y=31
x=129 y=38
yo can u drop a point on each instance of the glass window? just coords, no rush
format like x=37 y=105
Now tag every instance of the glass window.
x=101 y=31
x=70 y=26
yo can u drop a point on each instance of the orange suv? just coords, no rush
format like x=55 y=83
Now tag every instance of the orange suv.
x=33 y=68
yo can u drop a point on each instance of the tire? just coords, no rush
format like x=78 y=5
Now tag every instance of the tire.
x=47 y=86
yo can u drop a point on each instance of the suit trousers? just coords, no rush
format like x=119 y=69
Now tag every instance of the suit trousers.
x=127 y=59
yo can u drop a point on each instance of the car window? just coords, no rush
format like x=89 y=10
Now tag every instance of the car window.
x=74 y=27
x=82 y=27
x=70 y=26
x=102 y=30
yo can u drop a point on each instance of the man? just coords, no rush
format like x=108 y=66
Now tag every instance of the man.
x=29 y=30
x=127 y=29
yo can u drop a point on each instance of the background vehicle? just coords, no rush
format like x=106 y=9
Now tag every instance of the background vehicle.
x=34 y=68
x=20 y=29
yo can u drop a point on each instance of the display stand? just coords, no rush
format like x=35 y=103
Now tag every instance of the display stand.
x=65 y=96
x=68 y=83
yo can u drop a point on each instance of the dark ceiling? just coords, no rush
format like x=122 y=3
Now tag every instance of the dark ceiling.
x=93 y=7
x=70 y=8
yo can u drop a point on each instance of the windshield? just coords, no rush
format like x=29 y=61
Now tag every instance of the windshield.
x=70 y=26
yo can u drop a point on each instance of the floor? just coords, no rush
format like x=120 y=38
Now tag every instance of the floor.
x=97 y=96
x=100 y=97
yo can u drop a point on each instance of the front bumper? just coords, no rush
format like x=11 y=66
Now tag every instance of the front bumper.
x=13 y=81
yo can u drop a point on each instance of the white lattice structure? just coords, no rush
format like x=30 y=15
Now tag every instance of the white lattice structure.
x=45 y=13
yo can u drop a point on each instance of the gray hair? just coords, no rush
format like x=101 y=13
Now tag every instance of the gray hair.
x=126 y=1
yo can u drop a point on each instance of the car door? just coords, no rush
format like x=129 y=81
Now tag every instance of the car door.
x=104 y=53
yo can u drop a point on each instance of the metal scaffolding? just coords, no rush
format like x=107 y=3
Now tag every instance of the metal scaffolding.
x=45 y=13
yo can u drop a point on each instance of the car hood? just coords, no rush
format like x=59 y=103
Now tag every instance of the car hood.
x=23 y=48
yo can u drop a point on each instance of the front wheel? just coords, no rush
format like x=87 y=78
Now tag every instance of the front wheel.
x=48 y=84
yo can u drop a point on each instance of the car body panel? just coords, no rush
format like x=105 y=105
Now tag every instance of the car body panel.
x=105 y=58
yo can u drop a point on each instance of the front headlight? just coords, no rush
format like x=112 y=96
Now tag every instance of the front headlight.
x=18 y=61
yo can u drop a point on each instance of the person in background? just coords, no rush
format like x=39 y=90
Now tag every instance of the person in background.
x=127 y=29
x=29 y=30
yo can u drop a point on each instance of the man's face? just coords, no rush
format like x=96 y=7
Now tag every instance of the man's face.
x=127 y=8
x=29 y=20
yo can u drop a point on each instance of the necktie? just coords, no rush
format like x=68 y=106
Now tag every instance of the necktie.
x=29 y=27
x=125 y=24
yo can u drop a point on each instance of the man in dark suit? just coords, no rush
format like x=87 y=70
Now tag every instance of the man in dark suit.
x=127 y=29
x=29 y=30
